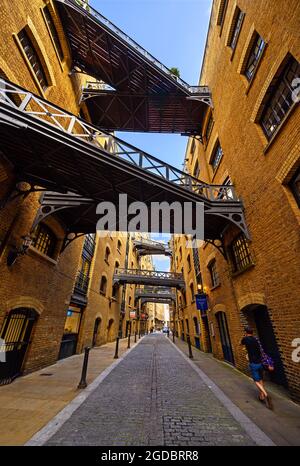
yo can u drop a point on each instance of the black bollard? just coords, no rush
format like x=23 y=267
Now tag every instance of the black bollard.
x=173 y=336
x=117 y=348
x=134 y=337
x=82 y=383
x=128 y=344
x=190 y=346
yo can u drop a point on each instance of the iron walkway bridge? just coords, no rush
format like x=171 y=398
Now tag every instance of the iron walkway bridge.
x=147 y=246
x=139 y=92
x=155 y=295
x=148 y=277
x=80 y=165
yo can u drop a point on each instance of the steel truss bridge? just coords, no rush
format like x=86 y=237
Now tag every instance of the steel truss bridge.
x=54 y=150
x=160 y=294
x=147 y=246
x=148 y=277
x=135 y=91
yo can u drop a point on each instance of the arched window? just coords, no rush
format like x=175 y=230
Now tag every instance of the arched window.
x=115 y=290
x=119 y=247
x=129 y=301
x=192 y=292
x=117 y=264
x=33 y=58
x=189 y=263
x=44 y=239
x=196 y=324
x=107 y=254
x=103 y=285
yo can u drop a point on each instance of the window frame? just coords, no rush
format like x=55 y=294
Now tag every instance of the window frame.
x=236 y=258
x=40 y=229
x=235 y=29
x=53 y=32
x=214 y=275
x=269 y=103
x=103 y=278
x=35 y=54
x=213 y=157
x=293 y=187
x=252 y=46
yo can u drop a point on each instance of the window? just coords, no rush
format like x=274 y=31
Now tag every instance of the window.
x=216 y=157
x=258 y=45
x=193 y=146
x=235 y=28
x=226 y=193
x=53 y=31
x=196 y=171
x=209 y=128
x=214 y=276
x=107 y=254
x=44 y=239
x=196 y=325
x=189 y=263
x=192 y=292
x=295 y=186
x=279 y=98
x=33 y=58
x=129 y=301
x=222 y=11
x=239 y=253
x=187 y=326
x=103 y=285
x=115 y=290
x=119 y=247
x=117 y=265
x=180 y=253
x=89 y=244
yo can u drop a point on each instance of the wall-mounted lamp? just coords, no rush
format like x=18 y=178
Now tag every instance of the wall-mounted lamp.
x=15 y=252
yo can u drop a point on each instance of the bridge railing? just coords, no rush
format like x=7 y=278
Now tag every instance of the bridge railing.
x=148 y=273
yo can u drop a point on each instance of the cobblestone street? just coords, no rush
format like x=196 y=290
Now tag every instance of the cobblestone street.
x=153 y=397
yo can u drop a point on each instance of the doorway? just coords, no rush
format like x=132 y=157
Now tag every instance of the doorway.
x=14 y=342
x=267 y=338
x=225 y=337
x=96 y=331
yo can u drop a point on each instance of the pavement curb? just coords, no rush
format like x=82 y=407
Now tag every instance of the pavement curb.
x=254 y=432
x=44 y=434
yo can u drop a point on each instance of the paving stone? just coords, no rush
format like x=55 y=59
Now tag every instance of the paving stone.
x=153 y=397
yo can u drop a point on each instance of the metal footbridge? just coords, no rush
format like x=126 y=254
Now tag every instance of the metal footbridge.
x=157 y=294
x=134 y=91
x=147 y=246
x=148 y=277
x=80 y=165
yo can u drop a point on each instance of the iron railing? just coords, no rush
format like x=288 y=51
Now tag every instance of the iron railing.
x=149 y=273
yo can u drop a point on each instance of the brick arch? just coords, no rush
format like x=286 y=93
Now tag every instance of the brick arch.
x=251 y=299
x=24 y=301
x=219 y=308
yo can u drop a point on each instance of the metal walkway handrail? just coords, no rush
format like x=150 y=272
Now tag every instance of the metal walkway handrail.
x=38 y=108
x=89 y=10
x=148 y=273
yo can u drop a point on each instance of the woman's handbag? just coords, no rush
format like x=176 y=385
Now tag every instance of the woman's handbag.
x=266 y=360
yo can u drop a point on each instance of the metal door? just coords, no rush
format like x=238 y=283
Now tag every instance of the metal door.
x=15 y=339
x=225 y=337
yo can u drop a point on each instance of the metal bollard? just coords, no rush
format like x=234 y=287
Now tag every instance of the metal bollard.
x=134 y=337
x=190 y=346
x=82 y=383
x=128 y=344
x=117 y=348
x=173 y=336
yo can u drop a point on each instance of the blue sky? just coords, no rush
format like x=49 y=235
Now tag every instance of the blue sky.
x=174 y=31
